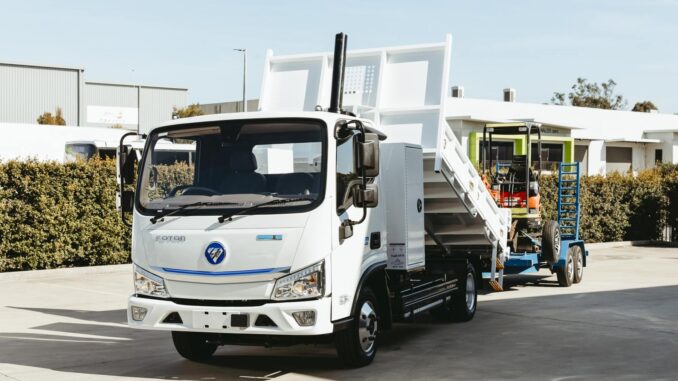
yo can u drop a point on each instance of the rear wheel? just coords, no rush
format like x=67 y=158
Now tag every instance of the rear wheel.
x=357 y=344
x=578 y=264
x=566 y=273
x=462 y=305
x=550 y=242
x=193 y=345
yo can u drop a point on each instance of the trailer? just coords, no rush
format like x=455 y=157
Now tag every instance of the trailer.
x=515 y=186
x=367 y=213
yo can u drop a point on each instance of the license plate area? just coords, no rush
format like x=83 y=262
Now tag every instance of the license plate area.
x=219 y=320
x=211 y=320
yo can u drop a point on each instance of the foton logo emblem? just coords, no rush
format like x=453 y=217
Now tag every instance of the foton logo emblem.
x=215 y=253
x=170 y=238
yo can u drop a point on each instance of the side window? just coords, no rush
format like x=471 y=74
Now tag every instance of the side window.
x=345 y=174
x=171 y=170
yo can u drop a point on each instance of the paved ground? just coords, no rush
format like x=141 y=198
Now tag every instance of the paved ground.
x=620 y=323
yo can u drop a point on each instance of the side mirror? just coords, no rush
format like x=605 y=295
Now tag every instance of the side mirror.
x=128 y=162
x=368 y=198
x=345 y=231
x=127 y=201
x=367 y=154
x=125 y=168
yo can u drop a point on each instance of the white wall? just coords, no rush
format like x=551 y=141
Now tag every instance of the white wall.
x=41 y=142
x=597 y=158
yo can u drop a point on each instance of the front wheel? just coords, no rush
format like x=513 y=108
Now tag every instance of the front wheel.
x=194 y=346
x=357 y=344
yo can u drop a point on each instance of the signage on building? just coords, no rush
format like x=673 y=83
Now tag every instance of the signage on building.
x=112 y=115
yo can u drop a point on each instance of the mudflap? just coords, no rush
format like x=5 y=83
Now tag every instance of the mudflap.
x=564 y=247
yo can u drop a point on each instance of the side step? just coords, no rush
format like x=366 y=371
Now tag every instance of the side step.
x=423 y=297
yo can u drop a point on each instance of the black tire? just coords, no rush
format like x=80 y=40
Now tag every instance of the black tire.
x=193 y=345
x=566 y=273
x=357 y=344
x=462 y=306
x=578 y=258
x=550 y=242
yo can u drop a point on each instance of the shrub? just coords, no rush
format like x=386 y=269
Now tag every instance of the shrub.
x=621 y=207
x=59 y=215
x=47 y=118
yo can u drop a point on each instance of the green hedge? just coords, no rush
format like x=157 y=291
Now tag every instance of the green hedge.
x=622 y=207
x=63 y=215
x=59 y=215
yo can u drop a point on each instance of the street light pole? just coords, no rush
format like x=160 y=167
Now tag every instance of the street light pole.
x=244 y=78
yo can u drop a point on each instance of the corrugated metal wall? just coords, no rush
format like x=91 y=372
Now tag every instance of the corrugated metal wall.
x=156 y=105
x=152 y=105
x=26 y=92
x=110 y=96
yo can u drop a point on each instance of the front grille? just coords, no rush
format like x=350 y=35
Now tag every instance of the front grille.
x=219 y=303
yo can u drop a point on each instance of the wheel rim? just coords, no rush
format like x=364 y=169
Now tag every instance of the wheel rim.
x=367 y=326
x=580 y=266
x=570 y=268
x=470 y=292
x=556 y=243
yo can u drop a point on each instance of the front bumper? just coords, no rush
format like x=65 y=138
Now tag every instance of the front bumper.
x=214 y=319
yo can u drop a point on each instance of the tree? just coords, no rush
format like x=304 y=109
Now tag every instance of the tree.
x=186 y=112
x=57 y=119
x=645 y=106
x=585 y=94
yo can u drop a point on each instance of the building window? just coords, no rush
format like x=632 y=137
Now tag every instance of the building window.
x=618 y=159
x=502 y=151
x=658 y=156
x=551 y=155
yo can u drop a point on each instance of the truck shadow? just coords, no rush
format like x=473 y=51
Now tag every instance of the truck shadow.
x=516 y=333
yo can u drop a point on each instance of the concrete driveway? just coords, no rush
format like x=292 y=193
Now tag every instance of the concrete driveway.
x=620 y=323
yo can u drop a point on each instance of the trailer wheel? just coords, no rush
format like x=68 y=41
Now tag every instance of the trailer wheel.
x=566 y=273
x=193 y=345
x=550 y=242
x=578 y=264
x=462 y=305
x=357 y=344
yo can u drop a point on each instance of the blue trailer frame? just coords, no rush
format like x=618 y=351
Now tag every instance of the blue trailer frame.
x=568 y=210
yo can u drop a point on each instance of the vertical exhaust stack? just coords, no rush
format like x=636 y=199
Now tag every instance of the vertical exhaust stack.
x=338 y=69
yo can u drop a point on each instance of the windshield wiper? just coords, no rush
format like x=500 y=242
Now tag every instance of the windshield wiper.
x=169 y=212
x=229 y=216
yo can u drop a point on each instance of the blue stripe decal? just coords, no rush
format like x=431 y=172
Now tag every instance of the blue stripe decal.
x=228 y=273
x=269 y=237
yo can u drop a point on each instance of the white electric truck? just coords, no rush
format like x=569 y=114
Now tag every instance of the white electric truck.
x=304 y=227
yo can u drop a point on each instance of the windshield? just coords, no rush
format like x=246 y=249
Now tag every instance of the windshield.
x=233 y=165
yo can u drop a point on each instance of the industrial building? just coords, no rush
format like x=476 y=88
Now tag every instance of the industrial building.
x=27 y=91
x=604 y=141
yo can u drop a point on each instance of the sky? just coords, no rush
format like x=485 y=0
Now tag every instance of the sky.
x=536 y=47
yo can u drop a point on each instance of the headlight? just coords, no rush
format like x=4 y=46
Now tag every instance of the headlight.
x=149 y=284
x=304 y=284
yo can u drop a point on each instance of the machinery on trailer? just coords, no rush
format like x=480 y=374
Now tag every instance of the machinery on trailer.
x=352 y=223
x=516 y=186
